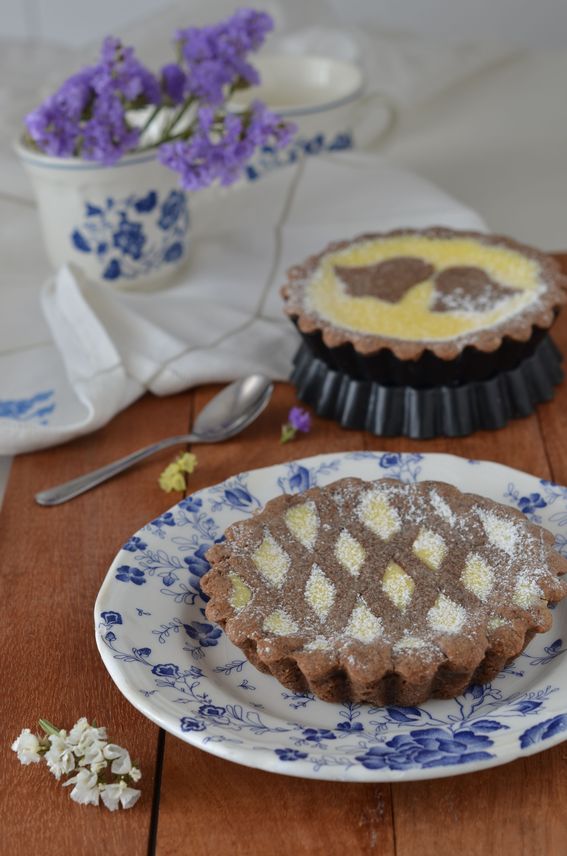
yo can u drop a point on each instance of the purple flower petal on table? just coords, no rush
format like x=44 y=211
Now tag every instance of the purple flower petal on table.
x=299 y=419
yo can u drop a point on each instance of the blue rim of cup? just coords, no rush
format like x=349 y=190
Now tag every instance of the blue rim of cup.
x=40 y=159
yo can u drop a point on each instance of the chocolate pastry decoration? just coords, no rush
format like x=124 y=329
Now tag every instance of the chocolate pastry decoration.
x=457 y=289
x=468 y=288
x=383 y=592
x=389 y=281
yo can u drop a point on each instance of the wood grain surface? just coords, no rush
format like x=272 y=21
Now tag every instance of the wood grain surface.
x=52 y=564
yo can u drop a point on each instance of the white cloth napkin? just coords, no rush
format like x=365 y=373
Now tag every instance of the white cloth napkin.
x=100 y=350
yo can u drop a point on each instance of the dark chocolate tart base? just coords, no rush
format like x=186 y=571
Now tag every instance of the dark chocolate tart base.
x=425 y=412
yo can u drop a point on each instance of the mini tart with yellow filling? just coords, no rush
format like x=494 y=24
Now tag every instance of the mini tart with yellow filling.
x=383 y=592
x=413 y=291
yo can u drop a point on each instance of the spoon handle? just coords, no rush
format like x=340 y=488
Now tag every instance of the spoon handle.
x=68 y=490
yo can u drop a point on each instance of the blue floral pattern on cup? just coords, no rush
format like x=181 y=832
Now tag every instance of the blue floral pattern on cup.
x=158 y=636
x=121 y=233
x=270 y=158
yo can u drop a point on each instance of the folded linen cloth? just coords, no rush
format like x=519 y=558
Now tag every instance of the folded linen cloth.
x=100 y=350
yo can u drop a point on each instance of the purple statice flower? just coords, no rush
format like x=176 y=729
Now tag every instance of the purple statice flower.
x=55 y=124
x=299 y=419
x=173 y=82
x=216 y=55
x=218 y=152
x=87 y=114
x=266 y=128
x=120 y=82
x=119 y=72
x=107 y=136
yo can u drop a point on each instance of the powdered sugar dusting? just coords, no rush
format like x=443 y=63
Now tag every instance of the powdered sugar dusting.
x=446 y=616
x=320 y=643
x=501 y=532
x=430 y=547
x=376 y=512
x=241 y=593
x=527 y=592
x=416 y=646
x=403 y=563
x=280 y=623
x=319 y=592
x=271 y=560
x=441 y=508
x=363 y=625
x=398 y=585
x=410 y=643
x=350 y=553
x=497 y=622
x=303 y=523
x=477 y=576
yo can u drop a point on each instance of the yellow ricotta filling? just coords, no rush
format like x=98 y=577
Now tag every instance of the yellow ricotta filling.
x=411 y=318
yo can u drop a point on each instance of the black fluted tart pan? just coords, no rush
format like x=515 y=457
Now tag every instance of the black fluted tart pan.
x=422 y=412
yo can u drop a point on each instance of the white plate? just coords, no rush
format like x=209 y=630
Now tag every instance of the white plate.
x=181 y=671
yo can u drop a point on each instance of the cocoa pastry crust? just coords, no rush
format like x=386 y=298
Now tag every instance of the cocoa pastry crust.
x=519 y=327
x=383 y=592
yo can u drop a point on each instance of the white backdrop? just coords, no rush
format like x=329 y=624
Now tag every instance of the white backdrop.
x=491 y=133
x=538 y=23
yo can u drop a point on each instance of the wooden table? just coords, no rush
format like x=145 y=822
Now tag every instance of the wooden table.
x=53 y=562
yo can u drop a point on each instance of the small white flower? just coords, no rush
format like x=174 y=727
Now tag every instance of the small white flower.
x=92 y=755
x=119 y=794
x=82 y=731
x=129 y=797
x=121 y=763
x=86 y=790
x=59 y=757
x=110 y=795
x=27 y=747
x=77 y=730
x=85 y=753
x=84 y=737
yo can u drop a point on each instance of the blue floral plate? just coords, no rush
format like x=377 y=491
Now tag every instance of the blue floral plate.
x=181 y=671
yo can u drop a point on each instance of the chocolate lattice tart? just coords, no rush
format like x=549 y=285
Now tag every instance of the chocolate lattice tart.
x=383 y=592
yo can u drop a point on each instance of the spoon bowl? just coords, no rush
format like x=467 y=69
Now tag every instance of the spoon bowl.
x=229 y=412
x=233 y=408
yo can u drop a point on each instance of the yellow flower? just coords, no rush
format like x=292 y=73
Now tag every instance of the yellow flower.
x=186 y=462
x=173 y=477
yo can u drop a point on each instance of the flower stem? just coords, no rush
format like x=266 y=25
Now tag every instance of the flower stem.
x=149 y=120
x=175 y=121
x=48 y=727
x=288 y=433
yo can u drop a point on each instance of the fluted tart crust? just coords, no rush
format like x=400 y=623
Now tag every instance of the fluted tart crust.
x=383 y=592
x=417 y=290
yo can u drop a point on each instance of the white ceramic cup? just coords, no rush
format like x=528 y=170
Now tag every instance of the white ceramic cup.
x=125 y=225
x=325 y=98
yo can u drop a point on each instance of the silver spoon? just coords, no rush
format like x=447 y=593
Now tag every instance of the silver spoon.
x=231 y=411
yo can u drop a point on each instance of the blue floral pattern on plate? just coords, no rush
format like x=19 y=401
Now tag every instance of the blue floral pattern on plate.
x=121 y=233
x=181 y=671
